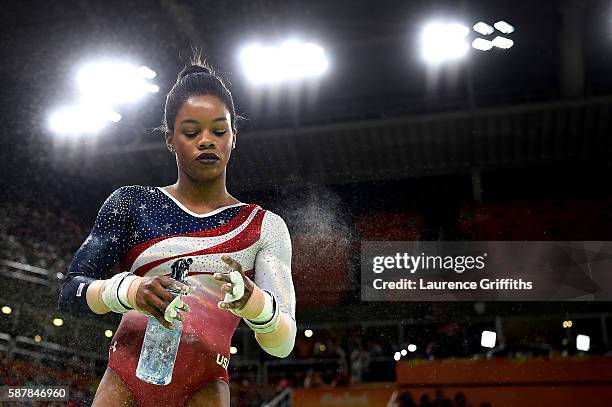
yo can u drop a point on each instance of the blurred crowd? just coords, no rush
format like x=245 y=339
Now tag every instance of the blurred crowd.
x=38 y=235
x=405 y=399
x=82 y=386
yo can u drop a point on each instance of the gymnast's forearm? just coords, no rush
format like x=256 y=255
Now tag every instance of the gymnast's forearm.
x=279 y=342
x=274 y=329
x=82 y=294
x=72 y=298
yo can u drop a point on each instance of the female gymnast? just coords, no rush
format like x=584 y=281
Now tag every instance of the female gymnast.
x=240 y=260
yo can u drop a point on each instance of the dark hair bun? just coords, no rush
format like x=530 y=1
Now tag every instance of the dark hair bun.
x=193 y=69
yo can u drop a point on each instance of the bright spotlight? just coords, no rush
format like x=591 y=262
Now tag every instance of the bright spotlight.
x=502 y=42
x=58 y=322
x=403 y=352
x=108 y=333
x=482 y=44
x=146 y=72
x=412 y=348
x=504 y=27
x=37 y=338
x=483 y=28
x=487 y=339
x=583 y=343
x=233 y=350
x=82 y=119
x=6 y=310
x=444 y=42
x=290 y=61
x=112 y=83
x=308 y=333
x=397 y=356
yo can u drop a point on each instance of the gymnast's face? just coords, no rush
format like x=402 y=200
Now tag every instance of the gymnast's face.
x=202 y=137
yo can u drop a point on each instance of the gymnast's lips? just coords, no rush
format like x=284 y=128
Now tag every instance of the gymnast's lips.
x=208 y=156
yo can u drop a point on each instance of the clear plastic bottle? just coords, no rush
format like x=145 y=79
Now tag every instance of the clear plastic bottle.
x=158 y=352
x=160 y=345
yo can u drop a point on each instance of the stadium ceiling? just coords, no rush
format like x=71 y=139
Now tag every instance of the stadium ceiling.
x=387 y=149
x=374 y=109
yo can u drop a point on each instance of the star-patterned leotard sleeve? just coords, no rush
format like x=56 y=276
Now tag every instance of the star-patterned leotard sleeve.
x=273 y=263
x=105 y=245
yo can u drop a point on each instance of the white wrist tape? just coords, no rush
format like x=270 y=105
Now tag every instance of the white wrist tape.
x=123 y=290
x=268 y=309
x=115 y=292
x=267 y=321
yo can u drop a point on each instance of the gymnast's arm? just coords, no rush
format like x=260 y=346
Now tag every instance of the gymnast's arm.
x=87 y=289
x=275 y=335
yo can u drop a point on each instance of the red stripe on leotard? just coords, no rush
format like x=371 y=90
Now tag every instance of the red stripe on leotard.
x=241 y=241
x=128 y=260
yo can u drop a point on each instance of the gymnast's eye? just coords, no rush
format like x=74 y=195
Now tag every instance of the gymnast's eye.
x=220 y=132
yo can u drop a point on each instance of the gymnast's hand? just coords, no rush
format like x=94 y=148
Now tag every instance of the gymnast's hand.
x=232 y=285
x=154 y=295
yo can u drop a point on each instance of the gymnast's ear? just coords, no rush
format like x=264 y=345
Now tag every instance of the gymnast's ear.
x=169 y=135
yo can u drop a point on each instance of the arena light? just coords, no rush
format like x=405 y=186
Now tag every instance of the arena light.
x=233 y=350
x=483 y=28
x=146 y=72
x=292 y=60
x=567 y=324
x=308 y=333
x=482 y=44
x=442 y=42
x=412 y=348
x=504 y=27
x=6 y=310
x=115 y=83
x=82 y=119
x=58 y=321
x=583 y=343
x=108 y=333
x=397 y=356
x=487 y=339
x=37 y=338
x=403 y=352
x=502 y=42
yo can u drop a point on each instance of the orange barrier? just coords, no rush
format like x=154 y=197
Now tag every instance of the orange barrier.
x=499 y=382
x=504 y=382
x=505 y=371
x=548 y=396
x=354 y=396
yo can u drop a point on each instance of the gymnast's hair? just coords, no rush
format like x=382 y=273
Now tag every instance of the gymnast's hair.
x=196 y=79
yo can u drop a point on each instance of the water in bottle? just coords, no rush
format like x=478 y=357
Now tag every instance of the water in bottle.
x=160 y=345
x=158 y=352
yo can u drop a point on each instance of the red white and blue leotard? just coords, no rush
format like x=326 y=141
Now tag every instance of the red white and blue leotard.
x=145 y=229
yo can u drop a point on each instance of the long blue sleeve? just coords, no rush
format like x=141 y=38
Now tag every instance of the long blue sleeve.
x=107 y=242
